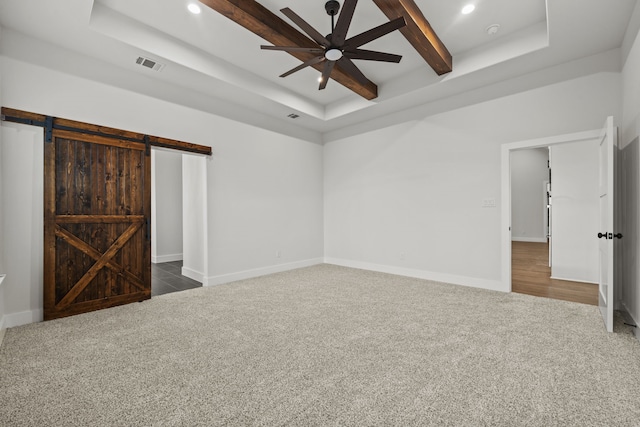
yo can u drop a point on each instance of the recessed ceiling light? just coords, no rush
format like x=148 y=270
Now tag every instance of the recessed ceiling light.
x=320 y=79
x=194 y=8
x=468 y=9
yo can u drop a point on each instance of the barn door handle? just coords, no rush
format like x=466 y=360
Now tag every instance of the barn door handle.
x=601 y=235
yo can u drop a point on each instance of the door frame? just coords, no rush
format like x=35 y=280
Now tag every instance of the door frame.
x=505 y=168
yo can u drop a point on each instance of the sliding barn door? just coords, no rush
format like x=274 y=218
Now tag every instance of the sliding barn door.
x=97 y=212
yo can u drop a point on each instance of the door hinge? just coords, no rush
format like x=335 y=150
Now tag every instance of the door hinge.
x=148 y=229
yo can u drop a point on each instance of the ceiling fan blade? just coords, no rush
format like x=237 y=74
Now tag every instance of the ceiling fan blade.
x=293 y=49
x=374 y=33
x=326 y=74
x=371 y=55
x=312 y=61
x=344 y=20
x=304 y=26
x=348 y=66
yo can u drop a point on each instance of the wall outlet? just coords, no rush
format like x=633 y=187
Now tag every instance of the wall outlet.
x=277 y=254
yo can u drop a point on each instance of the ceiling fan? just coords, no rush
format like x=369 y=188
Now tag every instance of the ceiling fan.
x=335 y=48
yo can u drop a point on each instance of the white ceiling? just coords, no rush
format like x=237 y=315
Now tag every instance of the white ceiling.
x=212 y=56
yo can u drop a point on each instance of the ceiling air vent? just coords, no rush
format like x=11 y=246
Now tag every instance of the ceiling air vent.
x=149 y=63
x=293 y=116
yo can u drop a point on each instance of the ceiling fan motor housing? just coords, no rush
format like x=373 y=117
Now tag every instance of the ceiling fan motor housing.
x=332 y=7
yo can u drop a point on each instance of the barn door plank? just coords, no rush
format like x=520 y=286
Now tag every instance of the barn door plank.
x=96 y=255
x=95 y=233
x=99 y=264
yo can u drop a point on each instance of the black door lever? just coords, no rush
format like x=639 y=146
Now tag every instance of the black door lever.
x=601 y=235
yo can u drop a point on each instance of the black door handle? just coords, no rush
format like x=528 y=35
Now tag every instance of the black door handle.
x=618 y=236
x=601 y=235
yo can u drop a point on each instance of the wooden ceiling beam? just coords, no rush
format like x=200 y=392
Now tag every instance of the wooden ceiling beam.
x=419 y=33
x=259 y=20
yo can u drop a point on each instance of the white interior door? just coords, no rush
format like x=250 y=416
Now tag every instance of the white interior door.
x=606 y=231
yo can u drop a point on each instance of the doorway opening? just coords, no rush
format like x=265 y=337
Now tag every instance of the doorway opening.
x=533 y=262
x=178 y=200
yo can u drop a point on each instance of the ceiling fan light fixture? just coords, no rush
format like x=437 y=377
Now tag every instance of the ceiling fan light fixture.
x=333 y=54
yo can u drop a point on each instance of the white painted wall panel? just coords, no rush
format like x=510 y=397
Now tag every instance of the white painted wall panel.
x=22 y=182
x=2 y=269
x=631 y=179
x=575 y=211
x=166 y=206
x=529 y=172
x=194 y=213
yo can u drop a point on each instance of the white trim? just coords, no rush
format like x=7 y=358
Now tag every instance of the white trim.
x=193 y=274
x=1 y=333
x=505 y=178
x=474 y=282
x=256 y=272
x=2 y=276
x=166 y=258
x=23 y=318
x=574 y=280
x=636 y=330
x=529 y=239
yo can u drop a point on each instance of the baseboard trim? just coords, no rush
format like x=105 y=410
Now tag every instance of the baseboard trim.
x=257 y=272
x=193 y=274
x=474 y=282
x=636 y=330
x=574 y=280
x=23 y=318
x=2 y=328
x=166 y=258
x=529 y=239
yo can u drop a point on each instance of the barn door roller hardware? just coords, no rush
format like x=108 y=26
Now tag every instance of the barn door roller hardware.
x=49 y=124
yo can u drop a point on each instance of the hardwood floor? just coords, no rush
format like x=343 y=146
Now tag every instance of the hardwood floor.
x=531 y=274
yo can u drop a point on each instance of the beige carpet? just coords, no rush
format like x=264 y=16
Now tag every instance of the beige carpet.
x=324 y=346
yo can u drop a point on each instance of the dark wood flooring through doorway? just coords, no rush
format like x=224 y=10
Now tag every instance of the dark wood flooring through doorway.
x=531 y=274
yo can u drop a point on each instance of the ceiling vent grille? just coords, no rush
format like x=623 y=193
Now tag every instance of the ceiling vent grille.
x=149 y=63
x=293 y=116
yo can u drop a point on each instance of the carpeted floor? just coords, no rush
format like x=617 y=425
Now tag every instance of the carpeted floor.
x=324 y=345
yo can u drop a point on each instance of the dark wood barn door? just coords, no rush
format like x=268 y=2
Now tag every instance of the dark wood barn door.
x=97 y=212
x=97 y=209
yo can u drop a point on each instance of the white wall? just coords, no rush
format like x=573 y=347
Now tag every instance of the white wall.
x=2 y=270
x=408 y=199
x=529 y=171
x=264 y=189
x=22 y=182
x=575 y=211
x=630 y=133
x=194 y=186
x=166 y=206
